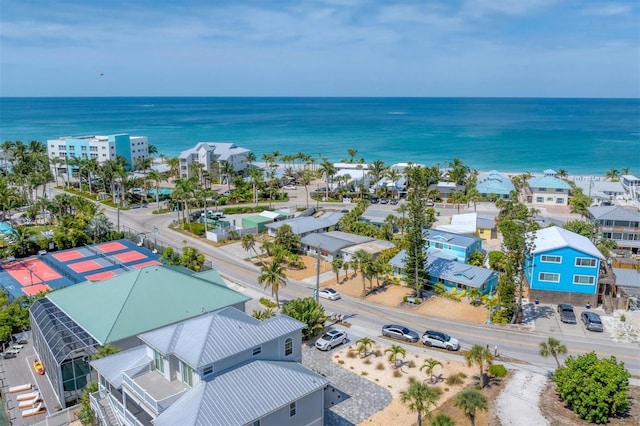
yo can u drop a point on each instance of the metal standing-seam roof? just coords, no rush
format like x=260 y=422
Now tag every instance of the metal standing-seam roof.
x=346 y=236
x=555 y=237
x=614 y=213
x=112 y=366
x=450 y=238
x=303 y=225
x=243 y=395
x=548 y=182
x=324 y=242
x=460 y=273
x=141 y=300
x=197 y=341
x=494 y=183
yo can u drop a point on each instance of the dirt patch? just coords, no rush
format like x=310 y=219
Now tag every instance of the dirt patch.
x=441 y=307
x=309 y=269
x=483 y=418
x=557 y=414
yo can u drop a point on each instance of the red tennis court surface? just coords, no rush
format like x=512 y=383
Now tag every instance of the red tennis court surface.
x=87 y=265
x=32 y=290
x=112 y=246
x=101 y=276
x=31 y=271
x=68 y=255
x=129 y=256
x=149 y=263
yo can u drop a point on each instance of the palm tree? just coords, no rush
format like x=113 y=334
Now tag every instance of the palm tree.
x=360 y=263
x=429 y=365
x=336 y=265
x=98 y=227
x=156 y=177
x=272 y=275
x=328 y=170
x=562 y=174
x=363 y=345
x=420 y=397
x=352 y=154
x=456 y=198
x=228 y=170
x=184 y=192
x=248 y=243
x=395 y=351
x=613 y=175
x=174 y=166
x=105 y=351
x=469 y=401
x=482 y=357
x=552 y=347
x=442 y=420
x=251 y=158
x=152 y=150
x=377 y=169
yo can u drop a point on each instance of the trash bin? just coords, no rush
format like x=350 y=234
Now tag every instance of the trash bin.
x=588 y=306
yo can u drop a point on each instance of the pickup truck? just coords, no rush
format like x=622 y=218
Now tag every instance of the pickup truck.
x=566 y=313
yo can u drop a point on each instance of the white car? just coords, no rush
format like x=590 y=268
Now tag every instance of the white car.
x=331 y=339
x=440 y=340
x=289 y=187
x=329 y=293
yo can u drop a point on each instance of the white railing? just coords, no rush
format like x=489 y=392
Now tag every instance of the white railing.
x=118 y=408
x=157 y=406
x=97 y=409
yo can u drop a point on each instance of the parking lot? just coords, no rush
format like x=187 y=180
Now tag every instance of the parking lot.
x=545 y=319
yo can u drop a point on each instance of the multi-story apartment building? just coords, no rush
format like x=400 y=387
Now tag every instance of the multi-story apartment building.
x=101 y=148
x=212 y=156
x=619 y=224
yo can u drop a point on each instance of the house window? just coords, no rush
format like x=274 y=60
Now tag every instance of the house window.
x=559 y=200
x=187 y=374
x=158 y=362
x=549 y=277
x=72 y=148
x=559 y=189
x=584 y=279
x=551 y=259
x=257 y=351
x=288 y=346
x=83 y=148
x=207 y=370
x=292 y=409
x=542 y=189
x=585 y=261
x=53 y=146
x=439 y=245
x=62 y=147
x=539 y=199
x=256 y=423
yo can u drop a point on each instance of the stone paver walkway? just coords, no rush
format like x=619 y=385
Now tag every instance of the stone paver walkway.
x=364 y=398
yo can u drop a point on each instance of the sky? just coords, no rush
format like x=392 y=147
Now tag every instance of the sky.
x=424 y=48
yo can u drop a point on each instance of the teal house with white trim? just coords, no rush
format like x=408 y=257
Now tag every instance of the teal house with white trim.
x=565 y=267
x=460 y=246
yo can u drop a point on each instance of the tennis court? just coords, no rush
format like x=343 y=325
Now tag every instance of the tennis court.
x=69 y=255
x=129 y=256
x=101 y=276
x=85 y=265
x=32 y=290
x=30 y=271
x=149 y=263
x=111 y=247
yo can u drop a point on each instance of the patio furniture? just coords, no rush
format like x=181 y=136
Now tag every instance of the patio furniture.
x=39 y=409
x=20 y=388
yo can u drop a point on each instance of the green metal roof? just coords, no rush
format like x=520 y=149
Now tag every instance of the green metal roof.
x=141 y=300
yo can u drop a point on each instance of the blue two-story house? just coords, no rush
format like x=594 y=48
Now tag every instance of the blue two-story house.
x=460 y=246
x=563 y=267
x=221 y=368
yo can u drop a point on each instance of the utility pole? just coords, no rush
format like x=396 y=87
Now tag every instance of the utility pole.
x=317 y=273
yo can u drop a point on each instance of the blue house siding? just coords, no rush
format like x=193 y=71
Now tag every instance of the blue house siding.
x=564 y=270
x=462 y=253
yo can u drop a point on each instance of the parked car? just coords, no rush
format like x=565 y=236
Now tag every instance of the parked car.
x=566 y=313
x=374 y=200
x=393 y=201
x=289 y=187
x=591 y=321
x=384 y=200
x=440 y=340
x=9 y=354
x=331 y=339
x=329 y=293
x=430 y=203
x=400 y=332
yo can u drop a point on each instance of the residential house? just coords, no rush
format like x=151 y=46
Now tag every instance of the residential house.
x=563 y=267
x=460 y=246
x=547 y=190
x=69 y=324
x=619 y=224
x=483 y=227
x=602 y=191
x=373 y=247
x=494 y=184
x=221 y=368
x=330 y=244
x=455 y=277
x=304 y=225
x=100 y=148
x=212 y=156
x=445 y=189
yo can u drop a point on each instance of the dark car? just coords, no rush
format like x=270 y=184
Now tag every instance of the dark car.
x=566 y=313
x=374 y=200
x=384 y=200
x=400 y=332
x=591 y=321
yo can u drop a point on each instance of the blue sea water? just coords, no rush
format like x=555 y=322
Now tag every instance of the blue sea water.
x=582 y=136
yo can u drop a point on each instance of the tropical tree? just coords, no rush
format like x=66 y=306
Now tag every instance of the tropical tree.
x=419 y=397
x=613 y=175
x=156 y=177
x=361 y=261
x=228 y=171
x=328 y=171
x=442 y=420
x=469 y=401
x=248 y=243
x=395 y=352
x=352 y=154
x=105 y=351
x=98 y=227
x=552 y=347
x=429 y=365
x=582 y=227
x=377 y=169
x=562 y=174
x=307 y=311
x=336 y=265
x=482 y=357
x=363 y=345
x=272 y=275
x=456 y=198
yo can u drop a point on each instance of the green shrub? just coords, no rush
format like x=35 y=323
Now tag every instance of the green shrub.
x=198 y=229
x=267 y=303
x=498 y=370
x=596 y=389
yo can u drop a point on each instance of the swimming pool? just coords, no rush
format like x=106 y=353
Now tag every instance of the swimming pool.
x=163 y=191
x=5 y=228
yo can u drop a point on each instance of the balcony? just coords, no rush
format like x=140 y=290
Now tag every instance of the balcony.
x=153 y=389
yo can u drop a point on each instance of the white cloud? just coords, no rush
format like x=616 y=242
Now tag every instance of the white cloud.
x=608 y=9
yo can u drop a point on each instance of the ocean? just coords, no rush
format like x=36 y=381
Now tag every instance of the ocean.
x=582 y=136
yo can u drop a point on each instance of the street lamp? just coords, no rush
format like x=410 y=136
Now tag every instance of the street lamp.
x=317 y=273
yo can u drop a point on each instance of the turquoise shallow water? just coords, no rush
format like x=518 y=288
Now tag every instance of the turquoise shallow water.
x=583 y=136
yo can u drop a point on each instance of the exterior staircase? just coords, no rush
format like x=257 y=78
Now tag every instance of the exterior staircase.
x=107 y=412
x=607 y=304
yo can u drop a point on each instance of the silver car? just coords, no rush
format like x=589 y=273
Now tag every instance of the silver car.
x=591 y=321
x=329 y=293
x=331 y=339
x=440 y=340
x=400 y=332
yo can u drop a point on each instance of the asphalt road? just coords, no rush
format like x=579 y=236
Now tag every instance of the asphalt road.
x=515 y=343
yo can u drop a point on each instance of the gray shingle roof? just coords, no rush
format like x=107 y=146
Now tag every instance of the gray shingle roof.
x=614 y=213
x=460 y=273
x=197 y=340
x=243 y=395
x=353 y=238
x=325 y=242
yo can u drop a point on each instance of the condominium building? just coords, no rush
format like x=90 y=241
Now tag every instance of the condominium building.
x=101 y=148
x=619 y=224
x=212 y=156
